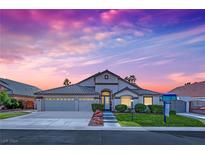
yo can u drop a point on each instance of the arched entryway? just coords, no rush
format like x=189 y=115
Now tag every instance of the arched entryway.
x=106 y=99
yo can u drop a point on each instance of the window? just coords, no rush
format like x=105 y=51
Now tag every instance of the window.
x=86 y=99
x=69 y=99
x=148 y=100
x=106 y=76
x=60 y=99
x=126 y=100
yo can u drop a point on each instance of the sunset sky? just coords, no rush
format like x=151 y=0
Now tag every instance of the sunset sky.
x=162 y=48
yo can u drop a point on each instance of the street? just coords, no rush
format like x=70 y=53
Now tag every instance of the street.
x=100 y=137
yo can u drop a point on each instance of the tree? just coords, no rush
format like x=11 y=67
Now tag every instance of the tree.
x=66 y=82
x=8 y=102
x=188 y=83
x=131 y=79
x=5 y=99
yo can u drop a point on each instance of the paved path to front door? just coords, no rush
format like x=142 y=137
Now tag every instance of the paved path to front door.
x=110 y=120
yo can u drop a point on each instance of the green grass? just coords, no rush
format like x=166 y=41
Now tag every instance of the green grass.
x=12 y=114
x=157 y=120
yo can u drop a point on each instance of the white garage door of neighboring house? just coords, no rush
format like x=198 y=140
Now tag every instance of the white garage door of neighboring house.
x=84 y=104
x=179 y=106
x=60 y=105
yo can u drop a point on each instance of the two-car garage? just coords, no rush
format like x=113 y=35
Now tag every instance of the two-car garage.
x=52 y=104
x=65 y=104
x=67 y=98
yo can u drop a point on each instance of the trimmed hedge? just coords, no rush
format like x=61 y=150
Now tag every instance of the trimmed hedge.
x=156 y=109
x=97 y=106
x=121 y=108
x=141 y=108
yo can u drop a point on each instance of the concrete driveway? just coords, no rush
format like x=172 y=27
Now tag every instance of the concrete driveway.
x=48 y=119
x=193 y=115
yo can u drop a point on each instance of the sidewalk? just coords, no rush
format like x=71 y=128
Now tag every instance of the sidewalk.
x=189 y=129
x=110 y=120
x=193 y=115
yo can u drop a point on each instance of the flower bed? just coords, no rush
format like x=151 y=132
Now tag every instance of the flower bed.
x=97 y=119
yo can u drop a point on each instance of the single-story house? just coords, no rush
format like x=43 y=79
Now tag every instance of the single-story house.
x=104 y=87
x=20 y=91
x=194 y=96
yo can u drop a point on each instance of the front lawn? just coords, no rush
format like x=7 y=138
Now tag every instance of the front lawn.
x=143 y=119
x=12 y=114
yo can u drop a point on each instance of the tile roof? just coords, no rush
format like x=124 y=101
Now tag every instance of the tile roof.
x=70 y=90
x=196 y=89
x=145 y=92
x=140 y=91
x=107 y=71
x=18 y=88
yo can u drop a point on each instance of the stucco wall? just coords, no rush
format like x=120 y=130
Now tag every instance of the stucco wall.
x=39 y=104
x=126 y=93
x=113 y=88
x=101 y=79
x=156 y=100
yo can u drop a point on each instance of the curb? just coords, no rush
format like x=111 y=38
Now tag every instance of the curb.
x=101 y=128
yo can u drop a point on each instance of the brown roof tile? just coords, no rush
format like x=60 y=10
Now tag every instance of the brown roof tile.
x=196 y=89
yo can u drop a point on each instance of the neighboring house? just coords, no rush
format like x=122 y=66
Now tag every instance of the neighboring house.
x=104 y=87
x=20 y=91
x=194 y=96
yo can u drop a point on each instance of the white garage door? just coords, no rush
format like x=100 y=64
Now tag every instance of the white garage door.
x=85 y=104
x=60 y=105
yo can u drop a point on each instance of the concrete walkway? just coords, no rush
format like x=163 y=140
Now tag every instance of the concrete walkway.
x=110 y=120
x=193 y=115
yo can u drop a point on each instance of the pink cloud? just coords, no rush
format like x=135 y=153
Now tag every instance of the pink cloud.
x=184 y=78
x=109 y=15
x=102 y=35
x=58 y=25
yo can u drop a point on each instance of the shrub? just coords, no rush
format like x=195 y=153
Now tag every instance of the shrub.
x=8 y=102
x=5 y=99
x=147 y=110
x=156 y=109
x=14 y=104
x=121 y=108
x=140 y=108
x=97 y=106
x=173 y=112
x=21 y=104
x=128 y=110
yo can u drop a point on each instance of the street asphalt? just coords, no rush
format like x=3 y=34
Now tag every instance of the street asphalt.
x=100 y=137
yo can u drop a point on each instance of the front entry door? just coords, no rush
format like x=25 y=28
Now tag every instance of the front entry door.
x=107 y=102
x=105 y=97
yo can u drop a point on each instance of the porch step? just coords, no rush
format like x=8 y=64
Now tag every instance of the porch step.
x=108 y=117
x=111 y=125
x=110 y=121
x=108 y=114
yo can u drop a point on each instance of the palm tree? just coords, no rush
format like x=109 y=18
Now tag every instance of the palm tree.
x=66 y=82
x=131 y=79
